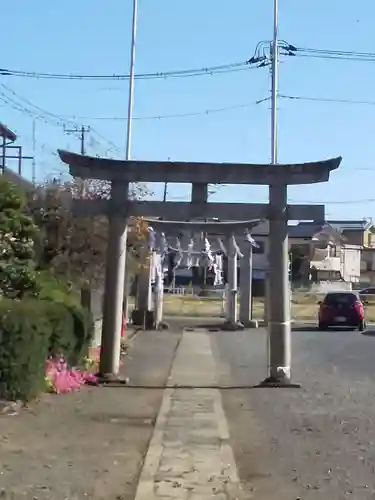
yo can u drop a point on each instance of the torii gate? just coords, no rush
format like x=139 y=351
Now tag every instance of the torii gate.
x=228 y=230
x=122 y=172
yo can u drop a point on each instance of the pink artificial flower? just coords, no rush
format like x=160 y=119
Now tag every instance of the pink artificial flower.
x=64 y=379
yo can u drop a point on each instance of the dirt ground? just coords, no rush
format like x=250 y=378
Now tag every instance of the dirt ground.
x=88 y=444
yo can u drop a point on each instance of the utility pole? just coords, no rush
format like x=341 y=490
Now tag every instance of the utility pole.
x=166 y=188
x=115 y=307
x=33 y=175
x=279 y=327
x=165 y=191
x=82 y=137
x=274 y=82
x=131 y=82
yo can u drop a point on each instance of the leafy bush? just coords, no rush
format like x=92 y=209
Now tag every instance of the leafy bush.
x=17 y=233
x=73 y=336
x=25 y=333
x=47 y=321
x=31 y=330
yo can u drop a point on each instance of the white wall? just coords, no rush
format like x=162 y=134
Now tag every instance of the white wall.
x=327 y=286
x=351 y=265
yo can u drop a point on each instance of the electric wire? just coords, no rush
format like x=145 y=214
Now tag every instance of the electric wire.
x=252 y=63
x=185 y=73
x=169 y=116
x=24 y=105
x=325 y=99
x=336 y=202
x=345 y=55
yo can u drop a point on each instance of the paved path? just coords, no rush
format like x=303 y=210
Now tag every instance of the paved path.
x=189 y=455
x=89 y=444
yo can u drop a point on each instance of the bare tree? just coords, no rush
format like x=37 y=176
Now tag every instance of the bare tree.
x=76 y=247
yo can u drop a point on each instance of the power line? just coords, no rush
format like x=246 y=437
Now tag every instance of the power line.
x=62 y=120
x=186 y=73
x=326 y=99
x=35 y=112
x=331 y=54
x=29 y=103
x=336 y=202
x=105 y=139
x=168 y=116
x=25 y=106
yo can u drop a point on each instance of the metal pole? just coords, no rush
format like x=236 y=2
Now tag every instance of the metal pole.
x=130 y=124
x=274 y=81
x=83 y=140
x=279 y=314
x=3 y=155
x=166 y=187
x=115 y=303
x=19 y=160
x=83 y=184
x=33 y=175
x=131 y=81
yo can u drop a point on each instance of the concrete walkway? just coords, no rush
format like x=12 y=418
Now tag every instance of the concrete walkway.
x=189 y=456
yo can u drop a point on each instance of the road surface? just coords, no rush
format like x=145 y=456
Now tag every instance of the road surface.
x=316 y=442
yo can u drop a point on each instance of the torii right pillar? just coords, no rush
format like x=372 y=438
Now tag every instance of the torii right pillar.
x=279 y=322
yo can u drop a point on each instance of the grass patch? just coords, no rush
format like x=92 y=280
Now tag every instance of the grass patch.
x=304 y=306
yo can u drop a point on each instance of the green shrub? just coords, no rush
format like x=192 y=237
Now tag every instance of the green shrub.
x=17 y=233
x=72 y=340
x=31 y=330
x=25 y=333
x=71 y=331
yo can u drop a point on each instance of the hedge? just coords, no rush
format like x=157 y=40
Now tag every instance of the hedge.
x=73 y=339
x=31 y=330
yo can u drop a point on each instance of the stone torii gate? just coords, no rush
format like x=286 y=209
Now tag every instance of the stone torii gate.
x=121 y=172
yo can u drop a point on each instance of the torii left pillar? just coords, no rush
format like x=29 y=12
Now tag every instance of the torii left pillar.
x=114 y=283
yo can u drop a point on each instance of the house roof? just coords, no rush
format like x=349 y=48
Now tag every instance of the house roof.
x=351 y=225
x=7 y=133
x=305 y=229
x=320 y=230
x=301 y=230
x=309 y=229
x=17 y=179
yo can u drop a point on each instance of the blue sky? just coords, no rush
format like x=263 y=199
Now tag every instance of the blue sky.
x=92 y=36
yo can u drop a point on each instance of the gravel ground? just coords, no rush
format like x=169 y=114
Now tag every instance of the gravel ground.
x=316 y=442
x=89 y=444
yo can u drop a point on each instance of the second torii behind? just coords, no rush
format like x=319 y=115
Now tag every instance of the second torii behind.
x=229 y=230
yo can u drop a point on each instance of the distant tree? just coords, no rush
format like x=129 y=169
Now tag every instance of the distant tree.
x=17 y=236
x=76 y=247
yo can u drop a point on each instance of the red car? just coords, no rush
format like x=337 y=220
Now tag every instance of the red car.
x=341 y=309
